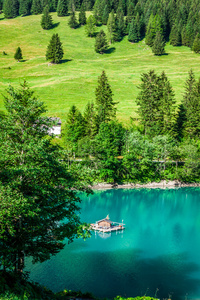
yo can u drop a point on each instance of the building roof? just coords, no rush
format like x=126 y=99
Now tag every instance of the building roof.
x=105 y=220
x=55 y=119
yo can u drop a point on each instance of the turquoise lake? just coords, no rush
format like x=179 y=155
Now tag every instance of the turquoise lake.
x=158 y=254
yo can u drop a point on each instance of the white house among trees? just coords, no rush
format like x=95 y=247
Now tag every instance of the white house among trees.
x=56 y=129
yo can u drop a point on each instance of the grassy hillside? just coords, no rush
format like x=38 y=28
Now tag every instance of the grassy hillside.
x=75 y=79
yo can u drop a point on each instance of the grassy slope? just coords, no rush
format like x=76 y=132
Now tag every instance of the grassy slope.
x=74 y=81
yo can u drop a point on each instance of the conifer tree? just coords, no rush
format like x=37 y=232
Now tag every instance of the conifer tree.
x=90 y=118
x=54 y=51
x=196 y=44
x=190 y=33
x=46 y=21
x=82 y=15
x=175 y=36
x=111 y=25
x=62 y=8
x=98 y=11
x=105 y=106
x=133 y=34
x=18 y=54
x=130 y=12
x=105 y=15
x=120 y=26
x=55 y=4
x=156 y=104
x=72 y=5
x=73 y=21
x=10 y=8
x=139 y=23
x=121 y=6
x=88 y=4
x=90 y=27
x=191 y=104
x=75 y=127
x=36 y=7
x=154 y=25
x=24 y=8
x=101 y=43
x=158 y=44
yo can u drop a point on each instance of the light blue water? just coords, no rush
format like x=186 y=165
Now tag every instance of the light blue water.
x=158 y=252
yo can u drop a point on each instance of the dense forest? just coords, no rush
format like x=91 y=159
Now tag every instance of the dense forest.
x=162 y=144
x=177 y=21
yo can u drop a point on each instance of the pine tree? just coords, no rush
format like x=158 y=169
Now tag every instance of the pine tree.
x=130 y=12
x=82 y=15
x=98 y=11
x=158 y=44
x=120 y=26
x=73 y=21
x=101 y=43
x=18 y=54
x=187 y=34
x=190 y=33
x=46 y=21
x=88 y=4
x=175 y=36
x=24 y=8
x=36 y=7
x=191 y=104
x=10 y=8
x=156 y=104
x=62 y=8
x=90 y=27
x=196 y=44
x=54 y=51
x=105 y=106
x=90 y=117
x=105 y=15
x=154 y=25
x=72 y=5
x=111 y=25
x=133 y=34
x=121 y=6
x=75 y=127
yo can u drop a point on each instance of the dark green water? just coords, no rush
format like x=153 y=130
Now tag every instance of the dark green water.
x=158 y=252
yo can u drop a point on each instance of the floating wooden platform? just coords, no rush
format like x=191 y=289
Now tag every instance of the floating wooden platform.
x=106 y=225
x=110 y=229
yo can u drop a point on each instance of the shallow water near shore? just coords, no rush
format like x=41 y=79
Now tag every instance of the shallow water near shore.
x=158 y=254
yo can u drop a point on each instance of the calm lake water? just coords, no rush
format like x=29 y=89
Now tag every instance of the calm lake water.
x=157 y=254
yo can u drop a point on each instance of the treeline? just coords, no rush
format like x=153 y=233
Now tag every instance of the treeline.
x=177 y=21
x=163 y=144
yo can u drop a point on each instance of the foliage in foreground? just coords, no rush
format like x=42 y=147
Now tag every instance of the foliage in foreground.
x=18 y=287
x=38 y=207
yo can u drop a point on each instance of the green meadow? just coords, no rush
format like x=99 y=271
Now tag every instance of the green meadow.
x=74 y=80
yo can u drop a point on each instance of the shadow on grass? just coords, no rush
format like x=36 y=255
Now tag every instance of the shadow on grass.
x=161 y=54
x=55 y=25
x=110 y=50
x=65 y=61
x=94 y=34
x=23 y=60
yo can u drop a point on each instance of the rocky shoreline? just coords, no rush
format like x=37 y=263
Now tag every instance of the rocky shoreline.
x=162 y=185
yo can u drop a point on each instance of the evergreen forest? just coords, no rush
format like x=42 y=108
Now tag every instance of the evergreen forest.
x=177 y=21
x=123 y=76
